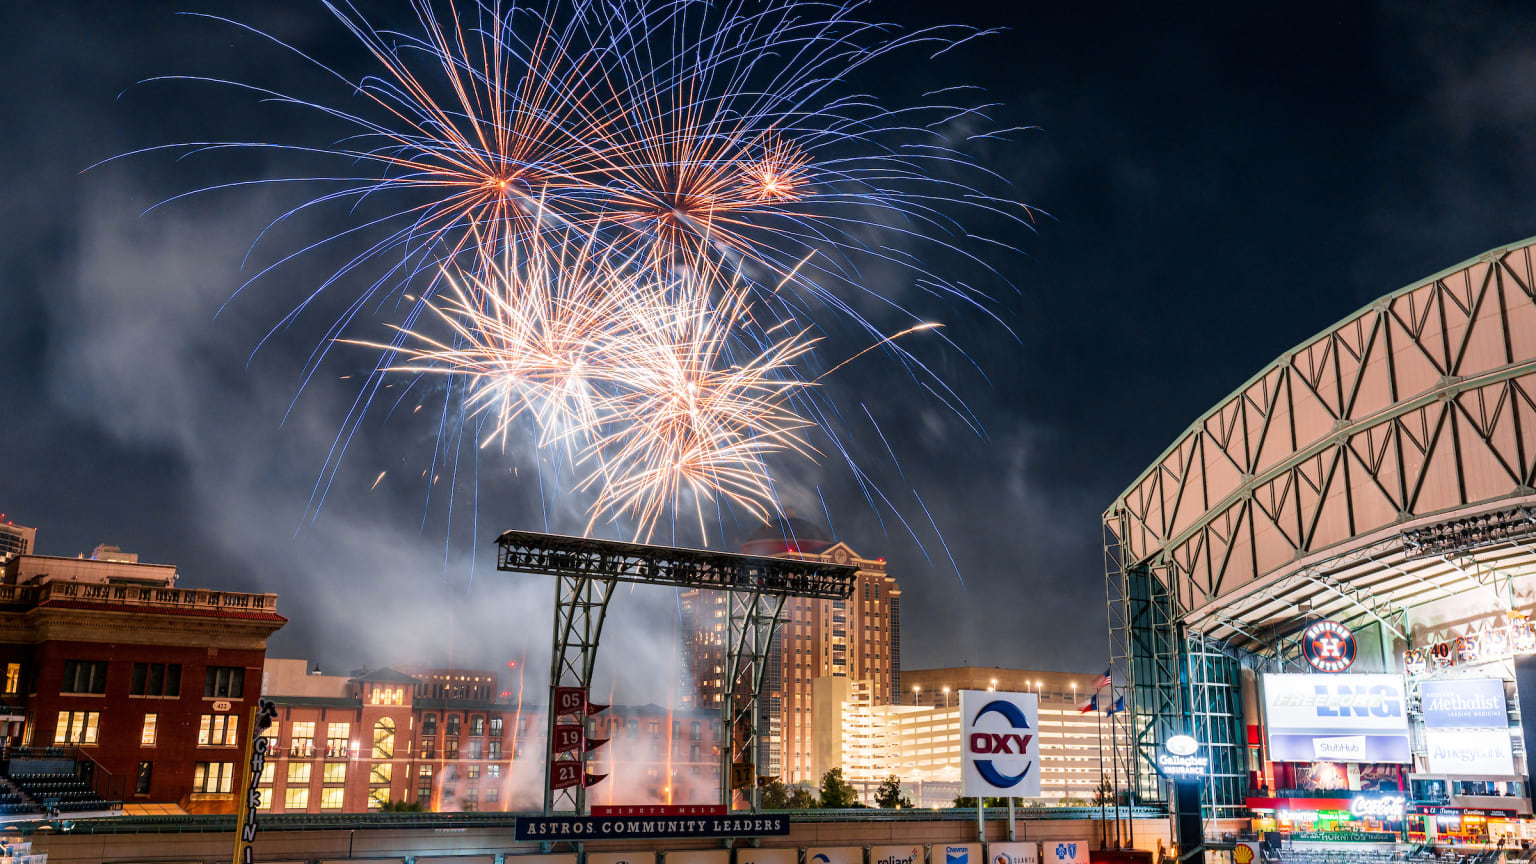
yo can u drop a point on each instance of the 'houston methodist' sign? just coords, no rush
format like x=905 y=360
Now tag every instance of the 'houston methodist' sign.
x=999 y=744
x=1465 y=703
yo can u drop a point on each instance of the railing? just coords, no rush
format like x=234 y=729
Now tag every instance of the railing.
x=139 y=595
x=377 y=820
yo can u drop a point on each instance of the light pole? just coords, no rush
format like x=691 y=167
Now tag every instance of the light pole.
x=917 y=694
x=946 y=697
x=994 y=685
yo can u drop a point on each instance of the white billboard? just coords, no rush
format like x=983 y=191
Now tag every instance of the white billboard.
x=1014 y=853
x=909 y=854
x=999 y=744
x=1470 y=751
x=758 y=855
x=1336 y=718
x=956 y=853
x=834 y=855
x=1064 y=852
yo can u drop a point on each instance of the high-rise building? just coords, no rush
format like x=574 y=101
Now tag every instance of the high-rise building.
x=15 y=540
x=858 y=638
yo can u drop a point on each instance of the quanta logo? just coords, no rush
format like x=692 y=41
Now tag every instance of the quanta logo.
x=1001 y=743
x=1328 y=646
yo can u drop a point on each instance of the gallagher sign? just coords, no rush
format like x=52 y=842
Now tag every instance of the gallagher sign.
x=1328 y=647
x=1181 y=759
x=999 y=744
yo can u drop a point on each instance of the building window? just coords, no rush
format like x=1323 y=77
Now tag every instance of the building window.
x=264 y=799
x=451 y=748
x=296 y=799
x=493 y=771
x=155 y=679
x=268 y=771
x=77 y=727
x=429 y=724
x=428 y=746
x=477 y=725
x=474 y=749
x=493 y=750
x=299 y=772
x=147 y=736
x=331 y=799
x=141 y=780
x=474 y=772
x=302 y=739
x=453 y=724
x=224 y=682
x=84 y=676
x=471 y=798
x=335 y=772
x=384 y=739
x=491 y=795
x=495 y=727
x=381 y=772
x=218 y=730
x=12 y=679
x=424 y=793
x=426 y=771
x=338 y=739
x=378 y=797
x=213 y=777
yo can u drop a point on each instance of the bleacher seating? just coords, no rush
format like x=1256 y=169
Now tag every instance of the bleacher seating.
x=66 y=793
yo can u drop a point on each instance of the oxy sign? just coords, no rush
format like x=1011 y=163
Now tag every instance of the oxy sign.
x=999 y=744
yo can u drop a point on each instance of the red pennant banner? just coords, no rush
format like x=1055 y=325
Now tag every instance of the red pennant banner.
x=565 y=774
x=594 y=743
x=569 y=737
x=570 y=700
x=594 y=779
x=595 y=709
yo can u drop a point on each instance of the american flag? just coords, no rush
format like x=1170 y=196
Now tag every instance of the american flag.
x=1104 y=680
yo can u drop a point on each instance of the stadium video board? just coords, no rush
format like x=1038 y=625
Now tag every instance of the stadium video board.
x=1336 y=718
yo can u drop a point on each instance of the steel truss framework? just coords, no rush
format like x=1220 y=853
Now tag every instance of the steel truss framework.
x=1316 y=489
x=586 y=572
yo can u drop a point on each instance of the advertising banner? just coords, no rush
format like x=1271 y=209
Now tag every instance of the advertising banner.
x=699 y=856
x=1470 y=751
x=1013 y=853
x=1467 y=703
x=750 y=855
x=834 y=855
x=1336 y=718
x=908 y=854
x=999 y=744
x=646 y=857
x=551 y=858
x=647 y=827
x=1065 y=852
x=957 y=853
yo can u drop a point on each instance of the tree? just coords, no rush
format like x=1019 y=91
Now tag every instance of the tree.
x=889 y=796
x=402 y=806
x=963 y=801
x=837 y=792
x=1104 y=794
x=775 y=795
x=802 y=799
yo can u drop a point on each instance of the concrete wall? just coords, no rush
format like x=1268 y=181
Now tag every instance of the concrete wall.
x=432 y=846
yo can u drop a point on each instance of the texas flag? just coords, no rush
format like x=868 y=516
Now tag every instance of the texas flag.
x=1093 y=705
x=1116 y=708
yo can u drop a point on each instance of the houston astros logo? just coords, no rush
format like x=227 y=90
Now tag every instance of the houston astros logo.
x=1001 y=743
x=1328 y=646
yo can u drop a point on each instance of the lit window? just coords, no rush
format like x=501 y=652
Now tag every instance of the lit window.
x=381 y=772
x=384 y=739
x=298 y=772
x=264 y=799
x=331 y=799
x=338 y=739
x=218 y=730
x=303 y=738
x=12 y=679
x=213 y=777
x=296 y=799
x=335 y=772
x=493 y=771
x=77 y=727
x=268 y=771
x=147 y=736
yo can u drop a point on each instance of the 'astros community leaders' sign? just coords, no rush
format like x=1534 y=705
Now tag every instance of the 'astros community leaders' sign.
x=634 y=828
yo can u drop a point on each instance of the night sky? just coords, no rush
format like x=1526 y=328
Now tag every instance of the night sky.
x=1217 y=183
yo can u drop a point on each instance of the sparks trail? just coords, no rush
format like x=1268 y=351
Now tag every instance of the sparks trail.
x=630 y=225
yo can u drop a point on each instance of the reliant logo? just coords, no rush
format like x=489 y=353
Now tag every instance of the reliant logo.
x=1000 y=743
x=909 y=858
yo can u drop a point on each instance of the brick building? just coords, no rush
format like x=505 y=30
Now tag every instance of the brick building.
x=446 y=739
x=858 y=638
x=145 y=685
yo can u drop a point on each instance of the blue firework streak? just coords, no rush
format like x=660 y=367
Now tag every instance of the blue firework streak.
x=679 y=137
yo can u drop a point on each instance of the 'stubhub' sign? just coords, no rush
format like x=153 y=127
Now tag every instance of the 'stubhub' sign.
x=999 y=744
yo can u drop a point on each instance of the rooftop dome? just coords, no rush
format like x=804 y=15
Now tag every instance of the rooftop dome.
x=790 y=534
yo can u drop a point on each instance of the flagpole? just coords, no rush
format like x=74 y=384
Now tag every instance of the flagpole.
x=1103 y=828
